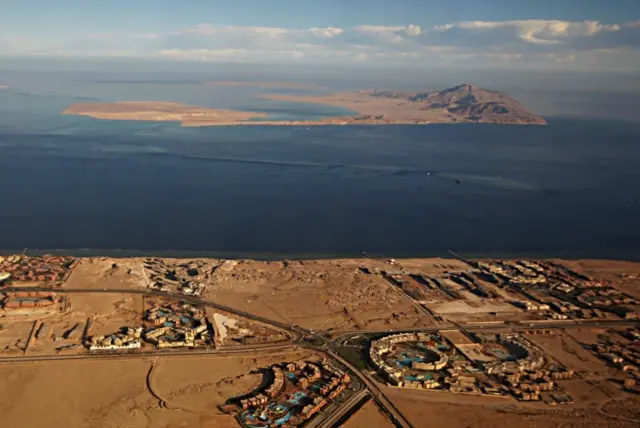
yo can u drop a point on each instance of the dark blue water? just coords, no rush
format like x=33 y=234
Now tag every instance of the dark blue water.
x=571 y=189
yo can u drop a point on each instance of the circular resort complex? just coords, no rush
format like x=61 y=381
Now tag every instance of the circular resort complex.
x=494 y=364
x=509 y=352
x=408 y=357
x=505 y=350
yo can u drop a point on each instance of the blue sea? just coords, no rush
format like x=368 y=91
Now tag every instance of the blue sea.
x=84 y=186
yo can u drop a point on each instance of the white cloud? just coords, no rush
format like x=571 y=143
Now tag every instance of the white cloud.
x=543 y=42
x=561 y=59
x=392 y=34
x=328 y=32
x=378 y=29
x=537 y=31
x=413 y=30
x=203 y=54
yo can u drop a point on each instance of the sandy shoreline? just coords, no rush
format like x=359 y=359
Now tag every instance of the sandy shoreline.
x=191 y=116
x=268 y=257
x=161 y=112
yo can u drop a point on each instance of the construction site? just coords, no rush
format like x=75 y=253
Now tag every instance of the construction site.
x=175 y=324
x=233 y=331
x=513 y=290
x=188 y=278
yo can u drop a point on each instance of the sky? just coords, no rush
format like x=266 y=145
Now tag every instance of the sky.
x=585 y=35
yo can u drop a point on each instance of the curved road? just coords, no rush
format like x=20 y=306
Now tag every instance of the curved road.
x=297 y=331
x=298 y=334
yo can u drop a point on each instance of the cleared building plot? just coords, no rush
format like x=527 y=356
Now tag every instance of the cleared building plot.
x=418 y=287
x=55 y=335
x=106 y=273
x=431 y=266
x=568 y=351
x=231 y=330
x=14 y=335
x=88 y=315
x=456 y=337
x=475 y=352
x=188 y=277
x=318 y=295
x=484 y=310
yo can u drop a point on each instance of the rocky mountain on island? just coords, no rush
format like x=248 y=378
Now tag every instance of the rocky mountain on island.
x=469 y=103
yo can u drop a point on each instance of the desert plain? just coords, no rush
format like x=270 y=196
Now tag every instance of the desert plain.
x=67 y=354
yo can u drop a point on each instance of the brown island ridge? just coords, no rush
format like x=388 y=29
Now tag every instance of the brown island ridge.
x=460 y=104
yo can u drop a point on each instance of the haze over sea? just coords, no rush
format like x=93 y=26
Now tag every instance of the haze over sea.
x=85 y=186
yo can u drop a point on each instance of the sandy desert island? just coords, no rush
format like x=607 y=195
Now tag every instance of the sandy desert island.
x=460 y=104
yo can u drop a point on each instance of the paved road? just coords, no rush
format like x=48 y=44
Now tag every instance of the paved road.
x=157 y=353
x=297 y=331
x=496 y=327
x=386 y=405
x=298 y=334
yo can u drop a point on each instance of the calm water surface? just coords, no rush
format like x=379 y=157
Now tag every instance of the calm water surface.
x=571 y=189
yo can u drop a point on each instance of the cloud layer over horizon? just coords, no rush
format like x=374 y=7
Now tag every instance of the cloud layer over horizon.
x=532 y=43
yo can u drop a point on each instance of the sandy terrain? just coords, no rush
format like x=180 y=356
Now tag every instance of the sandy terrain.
x=14 y=336
x=385 y=110
x=369 y=416
x=114 y=394
x=481 y=307
x=335 y=295
x=108 y=314
x=199 y=385
x=625 y=275
x=101 y=394
x=265 y=85
x=319 y=295
x=107 y=273
x=161 y=111
x=432 y=409
x=568 y=352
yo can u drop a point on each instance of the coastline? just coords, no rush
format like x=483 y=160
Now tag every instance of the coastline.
x=262 y=256
x=186 y=122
